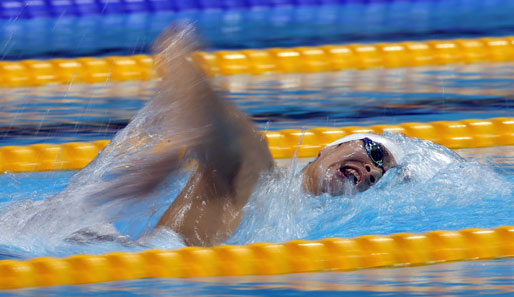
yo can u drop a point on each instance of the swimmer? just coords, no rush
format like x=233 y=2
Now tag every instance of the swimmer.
x=358 y=160
x=229 y=153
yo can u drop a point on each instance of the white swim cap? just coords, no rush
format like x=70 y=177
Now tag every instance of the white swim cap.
x=394 y=148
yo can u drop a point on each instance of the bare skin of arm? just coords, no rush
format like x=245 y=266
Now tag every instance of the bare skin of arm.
x=209 y=208
x=231 y=157
x=229 y=152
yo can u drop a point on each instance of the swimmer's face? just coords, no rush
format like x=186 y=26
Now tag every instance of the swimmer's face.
x=346 y=168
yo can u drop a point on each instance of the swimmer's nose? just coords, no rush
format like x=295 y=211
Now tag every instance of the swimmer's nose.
x=372 y=174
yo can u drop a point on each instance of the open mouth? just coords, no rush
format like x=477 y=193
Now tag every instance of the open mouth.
x=351 y=174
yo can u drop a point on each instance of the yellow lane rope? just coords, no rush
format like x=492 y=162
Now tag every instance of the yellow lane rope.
x=329 y=254
x=282 y=144
x=251 y=61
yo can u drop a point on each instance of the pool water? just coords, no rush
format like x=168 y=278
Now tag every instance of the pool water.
x=434 y=189
x=56 y=114
x=451 y=197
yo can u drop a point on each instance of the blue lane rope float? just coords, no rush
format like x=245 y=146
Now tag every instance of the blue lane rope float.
x=128 y=33
x=59 y=8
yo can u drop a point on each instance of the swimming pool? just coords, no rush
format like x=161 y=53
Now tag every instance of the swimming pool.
x=84 y=112
x=408 y=208
x=81 y=112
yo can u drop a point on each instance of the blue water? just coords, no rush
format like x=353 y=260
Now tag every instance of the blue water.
x=56 y=114
x=434 y=189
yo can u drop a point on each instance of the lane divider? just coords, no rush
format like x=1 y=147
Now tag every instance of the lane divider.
x=298 y=256
x=356 y=56
x=274 y=60
x=54 y=8
x=282 y=144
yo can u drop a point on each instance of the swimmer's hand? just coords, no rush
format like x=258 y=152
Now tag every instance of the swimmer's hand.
x=178 y=121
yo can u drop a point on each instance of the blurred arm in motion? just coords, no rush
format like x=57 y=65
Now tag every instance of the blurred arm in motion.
x=230 y=153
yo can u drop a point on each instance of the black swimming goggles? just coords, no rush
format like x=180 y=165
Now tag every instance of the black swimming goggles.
x=375 y=153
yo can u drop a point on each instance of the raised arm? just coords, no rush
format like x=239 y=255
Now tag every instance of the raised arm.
x=186 y=116
x=230 y=153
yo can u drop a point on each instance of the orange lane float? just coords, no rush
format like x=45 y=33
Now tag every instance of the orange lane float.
x=282 y=144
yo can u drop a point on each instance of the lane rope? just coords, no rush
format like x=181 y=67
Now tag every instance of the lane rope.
x=54 y=8
x=468 y=133
x=254 y=62
x=46 y=28
x=297 y=256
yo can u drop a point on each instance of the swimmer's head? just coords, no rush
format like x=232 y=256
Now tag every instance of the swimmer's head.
x=352 y=163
